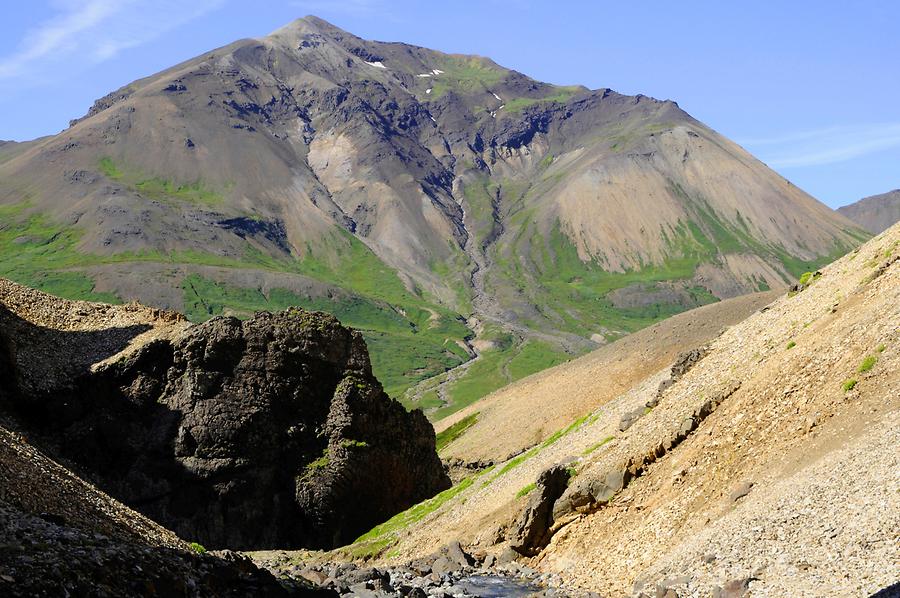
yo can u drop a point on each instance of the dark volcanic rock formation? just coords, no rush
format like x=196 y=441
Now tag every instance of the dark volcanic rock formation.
x=271 y=432
x=60 y=536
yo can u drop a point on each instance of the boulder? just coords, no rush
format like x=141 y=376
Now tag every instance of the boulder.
x=509 y=555
x=686 y=360
x=740 y=491
x=630 y=418
x=442 y=565
x=457 y=555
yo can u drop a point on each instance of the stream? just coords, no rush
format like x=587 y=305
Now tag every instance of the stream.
x=497 y=586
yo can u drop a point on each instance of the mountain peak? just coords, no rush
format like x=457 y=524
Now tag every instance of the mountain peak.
x=310 y=24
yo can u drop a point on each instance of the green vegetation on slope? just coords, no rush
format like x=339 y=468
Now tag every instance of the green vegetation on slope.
x=526 y=490
x=465 y=74
x=444 y=438
x=410 y=339
x=867 y=364
x=38 y=254
x=159 y=189
x=560 y=95
x=573 y=295
x=495 y=369
x=382 y=536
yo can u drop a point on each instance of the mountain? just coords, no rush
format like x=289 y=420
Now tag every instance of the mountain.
x=761 y=461
x=271 y=432
x=448 y=207
x=876 y=213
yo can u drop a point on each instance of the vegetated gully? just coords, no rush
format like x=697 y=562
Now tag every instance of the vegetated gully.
x=485 y=308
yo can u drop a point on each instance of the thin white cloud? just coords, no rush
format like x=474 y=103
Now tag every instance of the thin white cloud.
x=829 y=145
x=86 y=32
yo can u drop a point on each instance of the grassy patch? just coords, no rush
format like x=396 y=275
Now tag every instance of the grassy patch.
x=534 y=356
x=453 y=432
x=163 y=189
x=197 y=547
x=596 y=446
x=809 y=277
x=350 y=443
x=369 y=548
x=560 y=95
x=791 y=345
x=881 y=348
x=515 y=462
x=497 y=368
x=559 y=434
x=320 y=463
x=159 y=189
x=867 y=364
x=109 y=169
x=525 y=490
x=41 y=255
x=382 y=536
x=465 y=74
x=849 y=385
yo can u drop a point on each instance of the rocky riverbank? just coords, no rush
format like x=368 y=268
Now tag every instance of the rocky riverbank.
x=450 y=572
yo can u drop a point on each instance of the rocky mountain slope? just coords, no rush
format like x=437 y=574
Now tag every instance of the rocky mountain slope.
x=271 y=432
x=762 y=461
x=876 y=213
x=443 y=204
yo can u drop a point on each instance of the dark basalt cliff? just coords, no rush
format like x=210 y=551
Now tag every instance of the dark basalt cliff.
x=270 y=432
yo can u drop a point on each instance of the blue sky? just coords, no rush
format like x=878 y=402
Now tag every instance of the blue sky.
x=811 y=88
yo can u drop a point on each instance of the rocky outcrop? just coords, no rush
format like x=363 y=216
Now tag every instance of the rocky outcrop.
x=593 y=489
x=271 y=432
x=532 y=530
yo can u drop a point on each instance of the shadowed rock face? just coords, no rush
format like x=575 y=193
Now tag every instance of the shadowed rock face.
x=271 y=432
